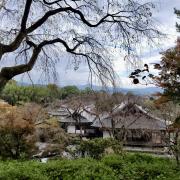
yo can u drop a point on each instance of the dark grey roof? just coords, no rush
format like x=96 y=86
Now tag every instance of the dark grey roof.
x=142 y=120
x=71 y=120
x=131 y=123
x=65 y=115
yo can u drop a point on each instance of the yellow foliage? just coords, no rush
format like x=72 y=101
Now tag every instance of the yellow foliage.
x=5 y=107
x=14 y=119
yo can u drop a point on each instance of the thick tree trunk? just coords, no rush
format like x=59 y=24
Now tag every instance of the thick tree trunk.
x=8 y=73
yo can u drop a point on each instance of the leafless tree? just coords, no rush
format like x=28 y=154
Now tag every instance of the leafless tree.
x=75 y=107
x=106 y=104
x=122 y=111
x=170 y=112
x=42 y=31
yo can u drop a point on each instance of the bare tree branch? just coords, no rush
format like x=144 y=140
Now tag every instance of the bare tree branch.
x=59 y=25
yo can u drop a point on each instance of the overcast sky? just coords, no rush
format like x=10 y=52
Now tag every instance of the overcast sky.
x=164 y=15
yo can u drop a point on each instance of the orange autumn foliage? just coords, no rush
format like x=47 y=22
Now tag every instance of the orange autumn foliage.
x=16 y=132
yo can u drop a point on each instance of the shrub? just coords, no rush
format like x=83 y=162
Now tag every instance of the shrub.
x=111 y=167
x=81 y=169
x=50 y=132
x=116 y=162
x=11 y=170
x=95 y=148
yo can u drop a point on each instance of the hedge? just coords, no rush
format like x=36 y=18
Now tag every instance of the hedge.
x=111 y=167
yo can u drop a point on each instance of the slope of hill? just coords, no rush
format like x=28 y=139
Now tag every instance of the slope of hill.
x=137 y=91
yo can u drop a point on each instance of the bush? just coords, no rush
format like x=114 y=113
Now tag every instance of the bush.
x=11 y=170
x=116 y=162
x=95 y=148
x=141 y=166
x=111 y=167
x=52 y=136
x=81 y=169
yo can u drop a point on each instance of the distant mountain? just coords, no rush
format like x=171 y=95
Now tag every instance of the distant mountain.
x=136 y=91
x=142 y=91
x=29 y=84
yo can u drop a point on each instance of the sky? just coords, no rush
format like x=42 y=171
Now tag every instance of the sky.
x=163 y=15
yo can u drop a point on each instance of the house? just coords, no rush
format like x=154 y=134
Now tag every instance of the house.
x=75 y=121
x=129 y=122
x=134 y=125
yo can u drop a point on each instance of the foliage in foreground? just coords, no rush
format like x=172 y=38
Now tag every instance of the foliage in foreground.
x=112 y=167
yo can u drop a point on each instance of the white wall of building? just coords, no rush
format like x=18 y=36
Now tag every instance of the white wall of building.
x=79 y=132
x=106 y=134
x=71 y=129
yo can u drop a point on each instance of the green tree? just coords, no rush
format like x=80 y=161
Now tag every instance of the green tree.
x=13 y=93
x=87 y=91
x=53 y=91
x=17 y=94
x=69 y=91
